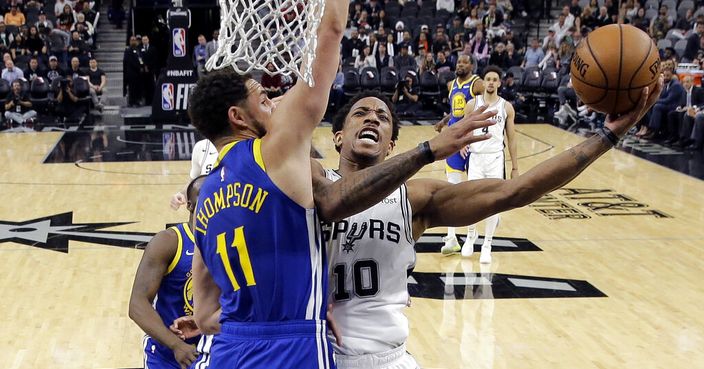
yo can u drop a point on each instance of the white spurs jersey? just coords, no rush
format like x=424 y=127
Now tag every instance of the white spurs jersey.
x=369 y=257
x=203 y=158
x=496 y=142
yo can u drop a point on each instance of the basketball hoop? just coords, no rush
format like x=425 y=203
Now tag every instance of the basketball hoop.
x=254 y=33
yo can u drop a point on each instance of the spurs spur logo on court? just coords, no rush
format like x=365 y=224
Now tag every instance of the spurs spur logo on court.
x=580 y=65
x=582 y=203
x=53 y=233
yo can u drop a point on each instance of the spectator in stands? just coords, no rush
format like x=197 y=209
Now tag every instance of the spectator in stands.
x=428 y=64
x=560 y=28
x=272 y=84
x=58 y=44
x=382 y=20
x=390 y=46
x=75 y=68
x=493 y=21
x=59 y=6
x=588 y=19
x=456 y=28
x=398 y=33
x=383 y=59
x=337 y=92
x=440 y=40
x=568 y=103
x=18 y=47
x=442 y=63
x=549 y=38
x=200 y=55
x=149 y=70
x=131 y=67
x=457 y=44
x=67 y=108
x=43 y=22
x=366 y=59
x=640 y=21
x=510 y=39
x=534 y=54
x=423 y=42
x=575 y=8
x=35 y=45
x=78 y=48
x=403 y=60
x=351 y=47
x=564 y=57
x=4 y=39
x=473 y=20
x=693 y=43
x=14 y=17
x=54 y=70
x=67 y=18
x=408 y=41
x=18 y=107
x=684 y=24
x=633 y=11
x=406 y=95
x=11 y=73
x=364 y=36
x=479 y=49
x=660 y=25
x=84 y=27
x=681 y=120
x=34 y=70
x=604 y=18
x=512 y=56
x=671 y=95
x=212 y=46
x=446 y=5
x=499 y=56
x=89 y=13
x=97 y=81
x=551 y=58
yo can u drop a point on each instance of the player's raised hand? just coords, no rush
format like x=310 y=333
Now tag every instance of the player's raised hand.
x=185 y=327
x=619 y=125
x=453 y=138
x=177 y=200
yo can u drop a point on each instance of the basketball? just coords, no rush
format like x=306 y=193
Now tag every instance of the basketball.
x=612 y=65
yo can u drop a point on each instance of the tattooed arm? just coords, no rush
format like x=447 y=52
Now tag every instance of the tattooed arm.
x=360 y=190
x=438 y=203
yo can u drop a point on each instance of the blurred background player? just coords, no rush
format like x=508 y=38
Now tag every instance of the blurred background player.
x=462 y=89
x=486 y=158
x=203 y=157
x=162 y=292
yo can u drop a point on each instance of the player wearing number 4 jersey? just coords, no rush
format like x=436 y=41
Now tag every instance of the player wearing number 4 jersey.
x=371 y=251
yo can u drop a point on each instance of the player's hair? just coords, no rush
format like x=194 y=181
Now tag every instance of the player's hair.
x=338 y=121
x=211 y=99
x=492 y=68
x=192 y=184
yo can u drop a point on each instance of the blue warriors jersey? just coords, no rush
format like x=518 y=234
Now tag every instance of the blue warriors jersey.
x=262 y=249
x=174 y=298
x=460 y=95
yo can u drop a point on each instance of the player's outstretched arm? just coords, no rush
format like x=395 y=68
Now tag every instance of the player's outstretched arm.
x=438 y=203
x=205 y=296
x=360 y=190
x=155 y=262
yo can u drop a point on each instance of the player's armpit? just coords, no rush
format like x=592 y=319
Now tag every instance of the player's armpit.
x=205 y=296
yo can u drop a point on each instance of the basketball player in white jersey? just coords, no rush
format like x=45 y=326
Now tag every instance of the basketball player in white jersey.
x=203 y=157
x=486 y=158
x=371 y=252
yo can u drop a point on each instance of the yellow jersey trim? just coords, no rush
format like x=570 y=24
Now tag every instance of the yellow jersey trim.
x=257 y=151
x=224 y=152
x=449 y=169
x=179 y=248
x=189 y=233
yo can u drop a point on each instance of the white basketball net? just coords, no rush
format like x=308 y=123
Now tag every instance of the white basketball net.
x=254 y=33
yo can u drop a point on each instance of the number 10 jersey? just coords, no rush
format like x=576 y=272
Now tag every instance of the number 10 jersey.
x=370 y=256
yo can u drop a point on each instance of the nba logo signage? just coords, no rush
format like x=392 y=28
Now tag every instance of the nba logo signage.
x=167 y=96
x=179 y=42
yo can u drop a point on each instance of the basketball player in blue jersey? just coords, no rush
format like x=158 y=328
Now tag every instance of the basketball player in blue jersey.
x=462 y=89
x=379 y=241
x=162 y=292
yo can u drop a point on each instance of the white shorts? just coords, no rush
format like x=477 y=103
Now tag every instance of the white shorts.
x=483 y=166
x=396 y=358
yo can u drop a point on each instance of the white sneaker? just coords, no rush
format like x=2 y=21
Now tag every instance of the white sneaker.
x=451 y=246
x=485 y=257
x=468 y=246
x=561 y=111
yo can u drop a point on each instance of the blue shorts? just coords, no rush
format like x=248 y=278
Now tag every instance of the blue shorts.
x=157 y=356
x=300 y=344
x=456 y=163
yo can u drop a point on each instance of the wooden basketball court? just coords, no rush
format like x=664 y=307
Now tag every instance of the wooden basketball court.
x=627 y=232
